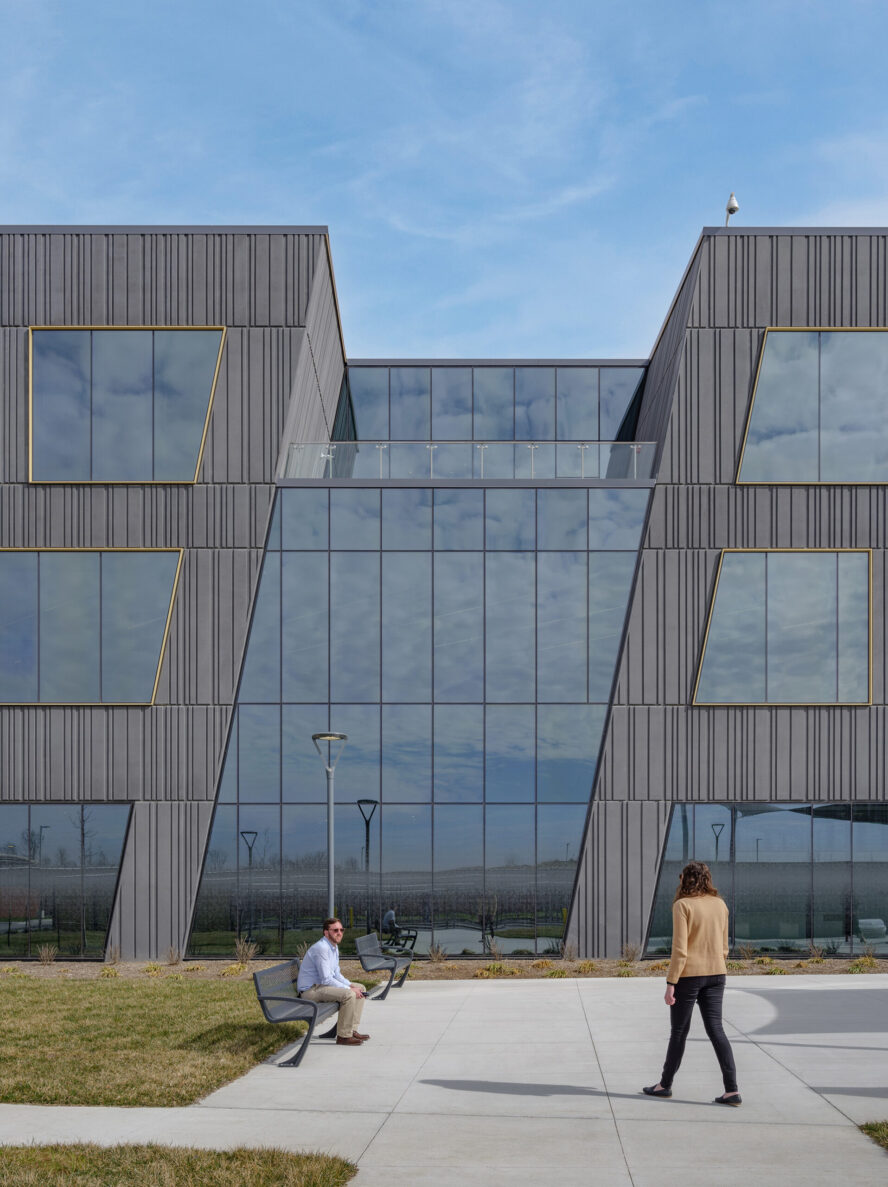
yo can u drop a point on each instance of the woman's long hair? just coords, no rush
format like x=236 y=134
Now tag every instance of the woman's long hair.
x=694 y=880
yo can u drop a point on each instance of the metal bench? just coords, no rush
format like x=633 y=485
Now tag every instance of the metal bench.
x=374 y=960
x=280 y=1002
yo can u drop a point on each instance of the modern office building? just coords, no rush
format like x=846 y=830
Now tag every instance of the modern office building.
x=580 y=620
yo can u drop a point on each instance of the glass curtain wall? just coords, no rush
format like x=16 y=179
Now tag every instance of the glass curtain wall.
x=793 y=875
x=465 y=641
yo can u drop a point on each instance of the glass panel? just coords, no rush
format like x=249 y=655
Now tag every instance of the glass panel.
x=773 y=877
x=561 y=519
x=357 y=872
x=559 y=835
x=354 y=628
x=802 y=627
x=61 y=405
x=407 y=868
x=369 y=388
x=104 y=830
x=578 y=404
x=304 y=518
x=459 y=753
x=618 y=385
x=136 y=591
x=406 y=626
x=853 y=393
x=69 y=627
x=782 y=441
x=561 y=626
x=18 y=626
x=610 y=581
x=406 y=753
x=494 y=404
x=274 y=529
x=261 y=680
x=259 y=858
x=459 y=626
x=455 y=461
x=410 y=407
x=713 y=841
x=122 y=406
x=510 y=876
x=302 y=773
x=832 y=909
x=215 y=915
x=679 y=847
x=304 y=627
x=459 y=879
x=20 y=907
x=459 y=519
x=568 y=740
x=534 y=403
x=184 y=369
x=498 y=460
x=854 y=635
x=259 y=753
x=357 y=775
x=510 y=626
x=452 y=403
x=510 y=519
x=616 y=517
x=407 y=519
x=227 y=793
x=354 y=518
x=56 y=846
x=870 y=875
x=509 y=752
x=733 y=669
x=534 y=461
x=303 y=874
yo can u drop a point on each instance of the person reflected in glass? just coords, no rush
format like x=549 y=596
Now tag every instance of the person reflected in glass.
x=697 y=973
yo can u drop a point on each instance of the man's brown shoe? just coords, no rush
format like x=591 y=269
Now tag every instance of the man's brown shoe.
x=351 y=1041
x=357 y=1035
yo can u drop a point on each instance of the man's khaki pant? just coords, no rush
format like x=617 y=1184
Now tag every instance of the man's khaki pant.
x=350 y=1009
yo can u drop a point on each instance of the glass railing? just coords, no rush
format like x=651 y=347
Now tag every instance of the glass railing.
x=470 y=459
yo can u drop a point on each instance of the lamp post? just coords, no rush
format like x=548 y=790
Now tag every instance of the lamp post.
x=329 y=767
x=249 y=836
x=368 y=807
x=716 y=832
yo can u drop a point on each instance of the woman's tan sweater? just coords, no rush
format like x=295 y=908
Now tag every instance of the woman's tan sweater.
x=699 y=937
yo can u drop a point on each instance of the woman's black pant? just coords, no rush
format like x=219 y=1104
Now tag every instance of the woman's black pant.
x=708 y=993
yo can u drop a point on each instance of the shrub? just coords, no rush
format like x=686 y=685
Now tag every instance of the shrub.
x=763 y=960
x=112 y=956
x=233 y=970
x=195 y=968
x=569 y=952
x=495 y=951
x=174 y=956
x=47 y=953
x=152 y=969
x=245 y=950
x=542 y=964
x=109 y=971
x=557 y=973
x=437 y=953
x=496 y=969
x=660 y=966
x=747 y=951
x=776 y=971
x=815 y=954
x=734 y=965
x=625 y=971
x=631 y=952
x=586 y=966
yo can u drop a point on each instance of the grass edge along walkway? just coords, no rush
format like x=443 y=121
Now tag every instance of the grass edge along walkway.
x=878 y=1131
x=157 y=1166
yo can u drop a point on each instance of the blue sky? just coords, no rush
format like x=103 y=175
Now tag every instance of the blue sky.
x=500 y=177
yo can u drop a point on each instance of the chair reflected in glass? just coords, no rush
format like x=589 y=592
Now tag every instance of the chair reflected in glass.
x=397 y=937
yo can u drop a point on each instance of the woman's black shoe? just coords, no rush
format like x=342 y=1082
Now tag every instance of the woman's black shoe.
x=655 y=1091
x=734 y=1100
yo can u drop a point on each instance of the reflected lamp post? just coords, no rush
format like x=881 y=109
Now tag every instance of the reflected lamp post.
x=368 y=807
x=329 y=766
x=716 y=832
x=43 y=829
x=249 y=835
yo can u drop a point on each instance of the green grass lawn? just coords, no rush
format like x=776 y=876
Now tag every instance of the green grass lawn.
x=124 y=1042
x=878 y=1131
x=160 y=1166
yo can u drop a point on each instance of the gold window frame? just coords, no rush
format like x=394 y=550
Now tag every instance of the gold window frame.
x=163 y=641
x=868 y=552
x=738 y=481
x=119 y=481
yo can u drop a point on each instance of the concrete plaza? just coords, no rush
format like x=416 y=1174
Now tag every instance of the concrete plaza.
x=504 y=1083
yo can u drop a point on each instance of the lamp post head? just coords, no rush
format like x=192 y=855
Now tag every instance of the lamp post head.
x=732 y=207
x=331 y=738
x=368 y=807
x=249 y=837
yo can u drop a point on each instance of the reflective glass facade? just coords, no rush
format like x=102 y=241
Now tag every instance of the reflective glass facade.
x=83 y=627
x=793 y=875
x=120 y=405
x=465 y=640
x=788 y=628
x=58 y=870
x=818 y=412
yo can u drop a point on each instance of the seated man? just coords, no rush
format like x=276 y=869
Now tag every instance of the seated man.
x=321 y=981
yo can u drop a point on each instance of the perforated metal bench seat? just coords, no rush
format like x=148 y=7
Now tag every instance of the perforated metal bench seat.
x=280 y=1002
x=374 y=960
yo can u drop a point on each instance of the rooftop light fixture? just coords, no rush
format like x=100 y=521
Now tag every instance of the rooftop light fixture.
x=732 y=207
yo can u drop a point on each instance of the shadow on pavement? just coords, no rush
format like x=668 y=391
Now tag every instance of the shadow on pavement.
x=821 y=1011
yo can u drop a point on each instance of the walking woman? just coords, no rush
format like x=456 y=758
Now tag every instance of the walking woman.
x=697 y=973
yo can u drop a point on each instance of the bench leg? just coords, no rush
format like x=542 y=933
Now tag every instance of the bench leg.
x=295 y=1060
x=331 y=1033
x=403 y=977
x=382 y=996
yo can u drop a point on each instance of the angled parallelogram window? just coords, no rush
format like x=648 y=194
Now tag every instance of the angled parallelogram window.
x=121 y=404
x=818 y=409
x=84 y=627
x=788 y=627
